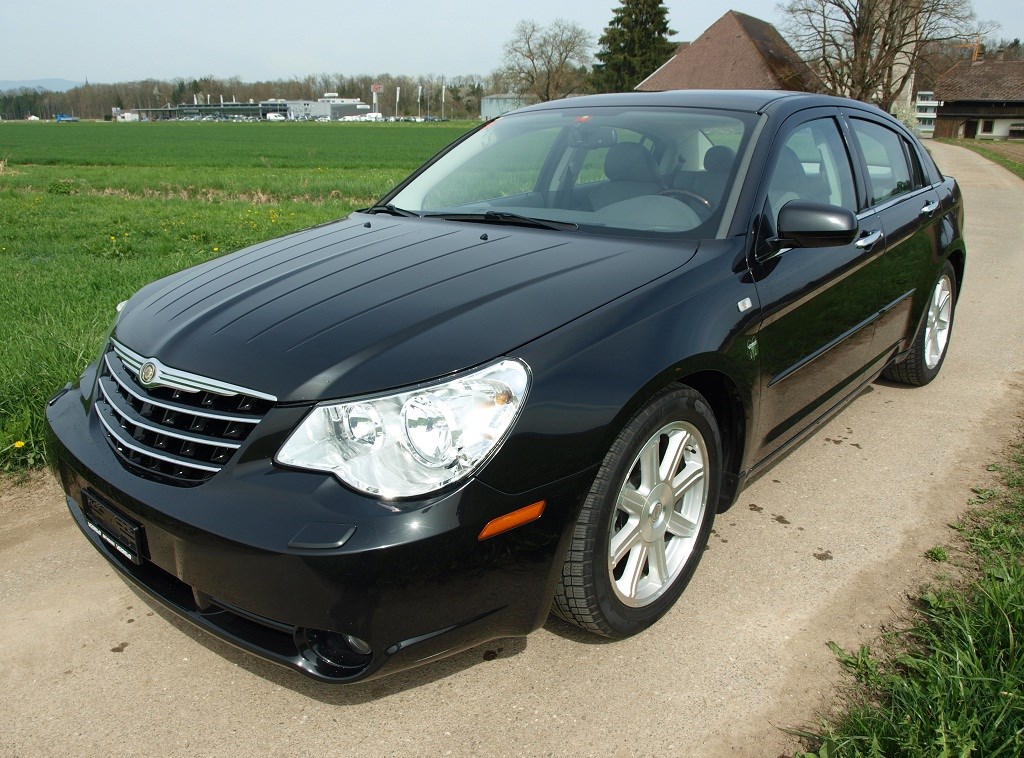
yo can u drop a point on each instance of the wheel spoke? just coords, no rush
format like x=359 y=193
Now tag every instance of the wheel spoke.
x=673 y=459
x=650 y=463
x=624 y=540
x=681 y=526
x=658 y=561
x=634 y=571
x=631 y=501
x=691 y=476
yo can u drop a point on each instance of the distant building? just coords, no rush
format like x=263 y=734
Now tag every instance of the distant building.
x=329 y=106
x=925 y=108
x=273 y=109
x=492 y=106
x=981 y=100
x=736 y=52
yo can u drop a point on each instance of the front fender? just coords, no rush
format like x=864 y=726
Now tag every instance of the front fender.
x=591 y=375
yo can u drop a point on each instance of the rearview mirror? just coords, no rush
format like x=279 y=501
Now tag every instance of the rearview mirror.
x=805 y=223
x=592 y=136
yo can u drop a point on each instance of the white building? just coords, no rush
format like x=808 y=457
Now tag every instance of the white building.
x=330 y=106
x=925 y=109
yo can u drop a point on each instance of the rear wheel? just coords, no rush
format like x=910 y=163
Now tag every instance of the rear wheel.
x=646 y=520
x=929 y=348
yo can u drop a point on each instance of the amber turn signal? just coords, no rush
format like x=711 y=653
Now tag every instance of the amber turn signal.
x=512 y=520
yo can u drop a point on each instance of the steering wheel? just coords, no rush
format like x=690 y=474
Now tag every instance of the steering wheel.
x=699 y=203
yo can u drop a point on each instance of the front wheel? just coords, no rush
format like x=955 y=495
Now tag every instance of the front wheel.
x=646 y=520
x=929 y=348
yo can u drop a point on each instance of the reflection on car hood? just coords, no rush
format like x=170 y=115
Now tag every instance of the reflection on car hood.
x=346 y=308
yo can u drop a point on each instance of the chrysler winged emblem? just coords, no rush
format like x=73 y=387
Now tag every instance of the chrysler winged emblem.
x=148 y=372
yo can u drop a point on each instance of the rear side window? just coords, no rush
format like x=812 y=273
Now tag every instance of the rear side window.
x=917 y=174
x=888 y=172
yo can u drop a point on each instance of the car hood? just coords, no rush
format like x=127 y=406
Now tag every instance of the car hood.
x=370 y=303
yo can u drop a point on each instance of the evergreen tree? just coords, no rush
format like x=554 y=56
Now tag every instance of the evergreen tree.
x=633 y=45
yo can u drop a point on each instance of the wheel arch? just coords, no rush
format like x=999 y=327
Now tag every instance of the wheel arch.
x=723 y=395
x=958 y=260
x=731 y=405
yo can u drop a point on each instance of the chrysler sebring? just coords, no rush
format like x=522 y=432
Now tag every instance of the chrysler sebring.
x=524 y=381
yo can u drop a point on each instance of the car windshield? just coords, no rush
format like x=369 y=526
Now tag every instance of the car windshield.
x=628 y=171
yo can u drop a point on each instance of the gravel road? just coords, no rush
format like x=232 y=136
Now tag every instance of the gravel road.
x=825 y=547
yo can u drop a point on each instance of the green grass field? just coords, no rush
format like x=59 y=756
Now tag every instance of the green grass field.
x=90 y=212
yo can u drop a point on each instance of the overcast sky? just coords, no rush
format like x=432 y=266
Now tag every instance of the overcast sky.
x=123 y=40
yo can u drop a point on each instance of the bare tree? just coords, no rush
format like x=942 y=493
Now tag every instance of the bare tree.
x=548 y=62
x=869 y=49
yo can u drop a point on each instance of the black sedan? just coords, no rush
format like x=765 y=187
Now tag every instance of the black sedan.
x=526 y=380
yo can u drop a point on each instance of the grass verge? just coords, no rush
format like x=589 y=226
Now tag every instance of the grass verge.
x=953 y=683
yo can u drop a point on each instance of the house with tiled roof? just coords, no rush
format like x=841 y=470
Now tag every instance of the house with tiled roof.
x=736 y=52
x=981 y=100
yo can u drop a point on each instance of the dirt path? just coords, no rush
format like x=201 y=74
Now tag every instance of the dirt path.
x=823 y=548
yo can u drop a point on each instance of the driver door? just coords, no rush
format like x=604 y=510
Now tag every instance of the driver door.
x=819 y=304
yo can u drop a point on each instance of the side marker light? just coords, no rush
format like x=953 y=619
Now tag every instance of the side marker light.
x=512 y=520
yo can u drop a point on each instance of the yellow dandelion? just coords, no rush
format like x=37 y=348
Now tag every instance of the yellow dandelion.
x=216 y=249
x=113 y=238
x=19 y=443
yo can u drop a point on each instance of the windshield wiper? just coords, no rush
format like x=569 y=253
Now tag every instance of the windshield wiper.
x=394 y=210
x=504 y=217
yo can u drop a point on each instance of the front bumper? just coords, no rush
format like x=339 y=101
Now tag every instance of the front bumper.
x=414 y=583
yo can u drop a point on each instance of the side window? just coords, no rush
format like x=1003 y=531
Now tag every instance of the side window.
x=888 y=172
x=915 y=166
x=812 y=165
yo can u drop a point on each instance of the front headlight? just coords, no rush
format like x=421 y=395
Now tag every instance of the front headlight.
x=413 y=442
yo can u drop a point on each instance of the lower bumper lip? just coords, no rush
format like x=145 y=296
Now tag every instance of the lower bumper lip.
x=275 y=641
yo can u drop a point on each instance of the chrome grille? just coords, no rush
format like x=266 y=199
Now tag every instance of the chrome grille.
x=179 y=429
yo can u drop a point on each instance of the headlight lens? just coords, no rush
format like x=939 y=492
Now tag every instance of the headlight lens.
x=413 y=442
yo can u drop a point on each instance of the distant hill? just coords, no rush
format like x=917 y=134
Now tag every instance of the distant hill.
x=53 y=85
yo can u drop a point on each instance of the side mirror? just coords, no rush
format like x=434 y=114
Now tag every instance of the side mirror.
x=805 y=223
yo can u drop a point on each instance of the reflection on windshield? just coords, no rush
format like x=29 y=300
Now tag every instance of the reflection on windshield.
x=641 y=171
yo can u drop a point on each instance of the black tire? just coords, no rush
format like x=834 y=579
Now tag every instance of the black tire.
x=677 y=418
x=915 y=369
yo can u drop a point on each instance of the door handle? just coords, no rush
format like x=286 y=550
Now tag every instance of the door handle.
x=869 y=239
x=930 y=208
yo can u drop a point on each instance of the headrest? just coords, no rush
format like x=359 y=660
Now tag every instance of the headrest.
x=629 y=162
x=719 y=158
x=789 y=168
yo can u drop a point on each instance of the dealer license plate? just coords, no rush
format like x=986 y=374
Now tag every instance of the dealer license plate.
x=120 y=532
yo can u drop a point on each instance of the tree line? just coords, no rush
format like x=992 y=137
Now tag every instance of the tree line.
x=461 y=94
x=869 y=50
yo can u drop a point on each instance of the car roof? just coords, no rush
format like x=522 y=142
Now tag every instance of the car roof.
x=752 y=101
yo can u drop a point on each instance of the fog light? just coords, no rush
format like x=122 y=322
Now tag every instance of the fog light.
x=357 y=644
x=342 y=651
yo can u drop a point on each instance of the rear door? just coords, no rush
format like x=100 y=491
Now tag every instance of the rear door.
x=816 y=342
x=907 y=206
